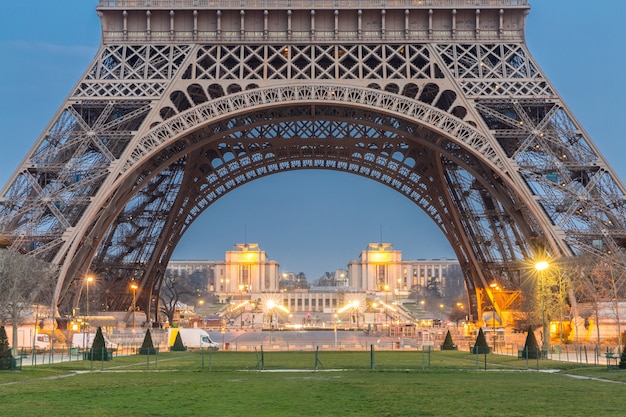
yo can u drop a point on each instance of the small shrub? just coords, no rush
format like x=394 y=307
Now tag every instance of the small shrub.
x=147 y=347
x=98 y=351
x=178 y=344
x=531 y=347
x=480 y=346
x=6 y=358
x=448 y=344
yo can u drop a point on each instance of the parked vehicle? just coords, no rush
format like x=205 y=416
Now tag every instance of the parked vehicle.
x=84 y=341
x=28 y=338
x=192 y=338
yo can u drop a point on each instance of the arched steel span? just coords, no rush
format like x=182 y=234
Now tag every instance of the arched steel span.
x=453 y=112
x=435 y=160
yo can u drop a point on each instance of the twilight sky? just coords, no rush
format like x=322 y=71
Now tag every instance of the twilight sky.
x=313 y=221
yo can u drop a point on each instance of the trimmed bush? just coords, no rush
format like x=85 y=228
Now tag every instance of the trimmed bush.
x=178 y=344
x=6 y=358
x=98 y=351
x=531 y=347
x=480 y=346
x=448 y=344
x=147 y=347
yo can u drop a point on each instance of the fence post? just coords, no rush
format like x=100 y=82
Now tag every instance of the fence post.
x=260 y=363
x=476 y=353
x=526 y=354
x=486 y=358
x=539 y=352
x=372 y=359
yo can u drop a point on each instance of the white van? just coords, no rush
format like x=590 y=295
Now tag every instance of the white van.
x=84 y=341
x=192 y=338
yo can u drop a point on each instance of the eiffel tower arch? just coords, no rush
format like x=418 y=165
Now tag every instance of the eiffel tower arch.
x=186 y=100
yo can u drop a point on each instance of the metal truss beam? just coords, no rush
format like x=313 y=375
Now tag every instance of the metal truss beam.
x=439 y=100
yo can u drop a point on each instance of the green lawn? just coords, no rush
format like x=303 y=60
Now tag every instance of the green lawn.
x=230 y=384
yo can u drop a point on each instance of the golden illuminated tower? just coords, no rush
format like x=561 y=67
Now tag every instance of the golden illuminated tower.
x=248 y=269
x=378 y=268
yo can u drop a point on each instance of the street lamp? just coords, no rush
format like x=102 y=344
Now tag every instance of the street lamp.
x=134 y=287
x=271 y=304
x=241 y=287
x=494 y=287
x=87 y=281
x=386 y=289
x=355 y=308
x=461 y=306
x=541 y=266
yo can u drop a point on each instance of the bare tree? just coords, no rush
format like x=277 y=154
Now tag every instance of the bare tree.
x=609 y=283
x=584 y=285
x=23 y=281
x=600 y=280
x=174 y=290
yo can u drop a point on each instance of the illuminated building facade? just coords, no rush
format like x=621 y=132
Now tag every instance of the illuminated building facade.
x=377 y=268
x=246 y=268
x=380 y=268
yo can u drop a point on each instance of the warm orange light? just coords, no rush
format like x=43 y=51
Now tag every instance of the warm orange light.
x=133 y=286
x=381 y=257
x=89 y=279
x=542 y=265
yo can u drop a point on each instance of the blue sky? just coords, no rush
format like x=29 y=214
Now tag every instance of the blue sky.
x=312 y=221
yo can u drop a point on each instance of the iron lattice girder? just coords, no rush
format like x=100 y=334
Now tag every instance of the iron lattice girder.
x=148 y=122
x=238 y=157
x=574 y=185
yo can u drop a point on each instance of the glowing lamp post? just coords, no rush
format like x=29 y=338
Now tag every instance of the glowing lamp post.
x=86 y=315
x=355 y=309
x=271 y=305
x=87 y=281
x=241 y=287
x=134 y=287
x=541 y=266
x=386 y=289
x=494 y=287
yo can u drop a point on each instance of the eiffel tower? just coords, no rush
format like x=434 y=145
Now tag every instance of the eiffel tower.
x=186 y=100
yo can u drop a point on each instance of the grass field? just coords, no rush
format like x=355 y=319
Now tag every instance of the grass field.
x=345 y=384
